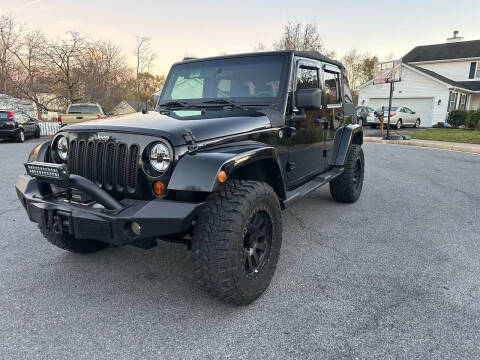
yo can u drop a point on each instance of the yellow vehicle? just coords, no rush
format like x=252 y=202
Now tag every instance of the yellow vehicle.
x=77 y=113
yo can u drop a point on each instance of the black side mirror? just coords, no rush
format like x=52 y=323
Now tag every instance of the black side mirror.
x=309 y=99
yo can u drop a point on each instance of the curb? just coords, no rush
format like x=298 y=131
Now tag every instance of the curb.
x=459 y=147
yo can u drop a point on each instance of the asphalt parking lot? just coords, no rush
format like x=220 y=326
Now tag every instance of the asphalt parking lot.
x=395 y=275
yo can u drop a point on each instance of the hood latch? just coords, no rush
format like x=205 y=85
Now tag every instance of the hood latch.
x=190 y=139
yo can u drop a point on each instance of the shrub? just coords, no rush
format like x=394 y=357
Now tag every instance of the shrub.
x=439 y=125
x=457 y=118
x=473 y=119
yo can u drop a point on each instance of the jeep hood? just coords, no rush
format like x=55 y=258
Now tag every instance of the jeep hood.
x=210 y=125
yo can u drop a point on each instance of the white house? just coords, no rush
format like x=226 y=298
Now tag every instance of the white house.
x=436 y=79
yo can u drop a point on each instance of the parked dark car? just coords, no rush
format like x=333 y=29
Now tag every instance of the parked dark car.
x=18 y=125
x=236 y=139
x=365 y=114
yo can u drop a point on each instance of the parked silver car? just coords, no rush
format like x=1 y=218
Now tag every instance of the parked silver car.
x=400 y=116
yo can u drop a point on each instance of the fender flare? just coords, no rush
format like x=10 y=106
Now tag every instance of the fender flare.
x=198 y=171
x=41 y=152
x=351 y=133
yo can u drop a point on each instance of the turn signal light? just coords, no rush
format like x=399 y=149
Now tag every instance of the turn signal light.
x=393 y=114
x=10 y=115
x=222 y=176
x=99 y=116
x=59 y=119
x=159 y=188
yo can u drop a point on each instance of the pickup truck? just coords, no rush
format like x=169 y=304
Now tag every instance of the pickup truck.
x=77 y=113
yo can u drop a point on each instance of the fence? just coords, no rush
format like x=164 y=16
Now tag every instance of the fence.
x=48 y=127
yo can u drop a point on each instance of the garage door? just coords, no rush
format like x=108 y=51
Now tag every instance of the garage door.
x=422 y=106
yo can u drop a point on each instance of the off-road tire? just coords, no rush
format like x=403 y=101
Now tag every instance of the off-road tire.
x=344 y=188
x=67 y=242
x=218 y=241
x=21 y=136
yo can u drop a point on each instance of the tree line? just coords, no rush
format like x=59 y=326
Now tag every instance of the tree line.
x=76 y=68
x=73 y=68
x=298 y=36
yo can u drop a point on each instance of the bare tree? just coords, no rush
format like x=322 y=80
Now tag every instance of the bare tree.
x=297 y=36
x=144 y=56
x=358 y=67
x=260 y=47
x=62 y=59
x=103 y=73
x=10 y=37
x=28 y=77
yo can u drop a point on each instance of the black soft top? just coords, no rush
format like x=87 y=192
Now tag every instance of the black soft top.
x=306 y=54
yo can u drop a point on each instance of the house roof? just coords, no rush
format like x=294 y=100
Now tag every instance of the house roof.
x=138 y=105
x=467 y=85
x=445 y=51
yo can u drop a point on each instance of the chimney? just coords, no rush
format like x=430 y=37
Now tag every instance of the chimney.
x=455 y=37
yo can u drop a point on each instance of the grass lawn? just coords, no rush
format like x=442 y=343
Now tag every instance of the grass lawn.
x=454 y=135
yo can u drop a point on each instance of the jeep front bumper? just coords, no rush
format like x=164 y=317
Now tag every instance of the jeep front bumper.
x=156 y=218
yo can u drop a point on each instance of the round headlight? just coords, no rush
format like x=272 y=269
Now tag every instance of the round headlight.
x=160 y=157
x=62 y=147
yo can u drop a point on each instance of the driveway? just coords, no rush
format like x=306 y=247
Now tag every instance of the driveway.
x=395 y=275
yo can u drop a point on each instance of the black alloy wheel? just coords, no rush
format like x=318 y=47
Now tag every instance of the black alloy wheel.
x=257 y=241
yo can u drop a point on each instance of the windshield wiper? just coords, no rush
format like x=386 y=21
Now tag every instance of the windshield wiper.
x=225 y=102
x=171 y=104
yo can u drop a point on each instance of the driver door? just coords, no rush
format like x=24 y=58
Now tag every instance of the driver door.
x=306 y=144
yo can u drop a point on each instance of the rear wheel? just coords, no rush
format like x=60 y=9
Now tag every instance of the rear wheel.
x=417 y=123
x=236 y=241
x=348 y=186
x=399 y=124
x=37 y=132
x=21 y=136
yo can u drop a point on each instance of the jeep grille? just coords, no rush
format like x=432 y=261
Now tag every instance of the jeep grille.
x=110 y=165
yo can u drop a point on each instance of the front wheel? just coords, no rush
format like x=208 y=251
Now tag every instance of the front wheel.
x=348 y=186
x=236 y=241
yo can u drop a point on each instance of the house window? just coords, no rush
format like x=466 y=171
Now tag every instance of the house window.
x=463 y=102
x=474 y=70
x=452 y=101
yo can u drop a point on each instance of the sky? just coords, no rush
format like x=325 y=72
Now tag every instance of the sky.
x=209 y=28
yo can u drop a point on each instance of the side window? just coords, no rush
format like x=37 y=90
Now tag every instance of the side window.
x=331 y=88
x=347 y=92
x=307 y=78
x=407 y=110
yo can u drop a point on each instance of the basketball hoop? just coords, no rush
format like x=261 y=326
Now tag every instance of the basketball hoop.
x=384 y=73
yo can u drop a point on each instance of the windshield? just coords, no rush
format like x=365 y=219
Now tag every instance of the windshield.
x=84 y=109
x=4 y=114
x=247 y=80
x=394 y=108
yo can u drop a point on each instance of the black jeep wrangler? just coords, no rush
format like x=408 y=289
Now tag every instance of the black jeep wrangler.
x=235 y=139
